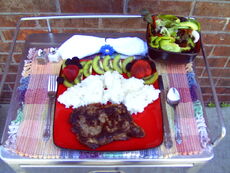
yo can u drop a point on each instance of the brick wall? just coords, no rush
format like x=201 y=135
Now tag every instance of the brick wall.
x=214 y=16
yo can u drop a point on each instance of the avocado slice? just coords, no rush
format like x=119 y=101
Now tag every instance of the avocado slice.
x=150 y=79
x=117 y=63
x=184 y=49
x=107 y=64
x=97 y=65
x=125 y=62
x=87 y=69
x=189 y=24
x=168 y=46
x=159 y=39
x=155 y=42
x=195 y=22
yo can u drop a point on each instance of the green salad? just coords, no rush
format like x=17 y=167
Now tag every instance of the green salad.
x=172 y=33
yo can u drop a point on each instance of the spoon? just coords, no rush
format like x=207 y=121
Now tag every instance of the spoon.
x=167 y=134
x=173 y=99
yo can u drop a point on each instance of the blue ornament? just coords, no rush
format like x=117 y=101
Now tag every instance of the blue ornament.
x=107 y=50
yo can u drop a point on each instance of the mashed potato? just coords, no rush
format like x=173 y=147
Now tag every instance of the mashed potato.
x=110 y=87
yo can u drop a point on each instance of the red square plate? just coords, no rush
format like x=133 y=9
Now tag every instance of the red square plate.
x=150 y=120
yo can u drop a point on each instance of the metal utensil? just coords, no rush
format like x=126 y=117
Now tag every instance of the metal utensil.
x=173 y=99
x=52 y=88
x=167 y=134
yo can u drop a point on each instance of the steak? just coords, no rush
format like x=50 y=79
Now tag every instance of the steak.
x=96 y=125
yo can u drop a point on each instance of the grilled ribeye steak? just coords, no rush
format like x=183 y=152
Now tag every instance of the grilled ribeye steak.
x=96 y=125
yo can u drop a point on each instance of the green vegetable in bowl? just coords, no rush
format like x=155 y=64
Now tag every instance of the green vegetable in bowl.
x=156 y=41
x=169 y=17
x=153 y=42
x=172 y=33
x=190 y=24
x=169 y=46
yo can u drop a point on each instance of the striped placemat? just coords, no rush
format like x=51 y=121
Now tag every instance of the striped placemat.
x=25 y=132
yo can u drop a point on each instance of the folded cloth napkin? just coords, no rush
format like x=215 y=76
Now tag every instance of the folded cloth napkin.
x=82 y=46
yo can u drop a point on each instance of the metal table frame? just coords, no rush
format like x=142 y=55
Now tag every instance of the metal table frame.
x=18 y=162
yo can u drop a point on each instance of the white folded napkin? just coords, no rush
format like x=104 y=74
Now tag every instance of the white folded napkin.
x=128 y=45
x=82 y=46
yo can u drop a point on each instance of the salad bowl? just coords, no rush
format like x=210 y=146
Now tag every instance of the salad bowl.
x=172 y=39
